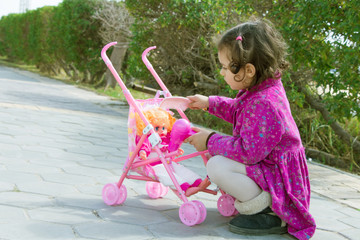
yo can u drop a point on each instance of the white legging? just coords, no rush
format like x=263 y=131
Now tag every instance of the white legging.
x=231 y=177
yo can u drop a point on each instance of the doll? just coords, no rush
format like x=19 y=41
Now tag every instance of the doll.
x=162 y=121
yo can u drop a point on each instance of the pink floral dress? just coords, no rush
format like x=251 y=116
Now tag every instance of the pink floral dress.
x=266 y=139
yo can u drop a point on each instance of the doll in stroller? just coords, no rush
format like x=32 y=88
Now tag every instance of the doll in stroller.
x=163 y=122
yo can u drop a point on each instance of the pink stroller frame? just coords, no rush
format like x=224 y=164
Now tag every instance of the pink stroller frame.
x=190 y=212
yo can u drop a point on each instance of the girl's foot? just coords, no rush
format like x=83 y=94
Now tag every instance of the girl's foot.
x=265 y=222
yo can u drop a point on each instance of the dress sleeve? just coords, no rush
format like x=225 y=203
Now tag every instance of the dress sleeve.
x=261 y=130
x=222 y=107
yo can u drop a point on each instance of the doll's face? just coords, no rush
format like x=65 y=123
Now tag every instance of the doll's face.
x=161 y=130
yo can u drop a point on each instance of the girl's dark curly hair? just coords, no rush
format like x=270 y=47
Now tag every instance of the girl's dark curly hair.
x=260 y=44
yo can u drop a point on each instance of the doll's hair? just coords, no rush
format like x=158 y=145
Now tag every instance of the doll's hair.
x=157 y=117
x=256 y=42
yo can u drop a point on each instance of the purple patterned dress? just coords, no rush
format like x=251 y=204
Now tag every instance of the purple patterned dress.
x=267 y=140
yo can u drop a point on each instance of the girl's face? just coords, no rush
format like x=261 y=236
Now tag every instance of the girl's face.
x=161 y=130
x=237 y=81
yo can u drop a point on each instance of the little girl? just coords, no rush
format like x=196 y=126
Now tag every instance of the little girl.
x=263 y=163
x=162 y=122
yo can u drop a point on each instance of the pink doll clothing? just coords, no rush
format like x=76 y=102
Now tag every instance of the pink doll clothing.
x=266 y=139
x=146 y=146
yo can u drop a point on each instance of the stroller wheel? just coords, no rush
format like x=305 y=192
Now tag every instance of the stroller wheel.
x=225 y=205
x=164 y=190
x=202 y=211
x=190 y=213
x=122 y=195
x=156 y=189
x=110 y=194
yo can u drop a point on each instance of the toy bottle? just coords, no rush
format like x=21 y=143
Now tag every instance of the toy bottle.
x=180 y=131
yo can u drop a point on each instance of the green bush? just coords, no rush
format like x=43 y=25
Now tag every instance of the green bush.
x=65 y=37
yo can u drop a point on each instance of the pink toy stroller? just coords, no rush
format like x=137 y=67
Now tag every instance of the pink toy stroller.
x=190 y=212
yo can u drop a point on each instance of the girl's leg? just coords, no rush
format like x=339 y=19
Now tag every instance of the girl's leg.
x=251 y=201
x=231 y=177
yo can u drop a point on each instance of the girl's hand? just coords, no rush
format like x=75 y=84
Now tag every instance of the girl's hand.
x=198 y=140
x=198 y=102
x=142 y=155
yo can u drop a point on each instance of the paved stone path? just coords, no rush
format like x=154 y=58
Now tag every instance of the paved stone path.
x=60 y=144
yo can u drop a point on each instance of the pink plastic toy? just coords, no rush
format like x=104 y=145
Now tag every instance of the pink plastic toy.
x=175 y=103
x=156 y=190
x=190 y=212
x=180 y=131
x=226 y=206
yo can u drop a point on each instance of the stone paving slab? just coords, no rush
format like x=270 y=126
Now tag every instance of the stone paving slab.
x=335 y=184
x=60 y=145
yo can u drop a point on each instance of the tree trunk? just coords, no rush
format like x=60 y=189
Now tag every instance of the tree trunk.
x=205 y=85
x=117 y=59
x=339 y=131
x=143 y=89
x=327 y=158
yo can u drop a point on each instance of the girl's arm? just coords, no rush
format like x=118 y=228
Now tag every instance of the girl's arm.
x=222 y=107
x=261 y=130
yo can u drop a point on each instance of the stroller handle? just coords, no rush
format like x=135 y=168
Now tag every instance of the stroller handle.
x=103 y=53
x=144 y=58
x=153 y=72
x=157 y=78
x=126 y=92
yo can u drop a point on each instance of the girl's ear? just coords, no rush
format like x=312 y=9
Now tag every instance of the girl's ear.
x=250 y=70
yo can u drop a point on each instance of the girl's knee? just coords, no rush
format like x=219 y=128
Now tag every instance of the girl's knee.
x=214 y=168
x=218 y=167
